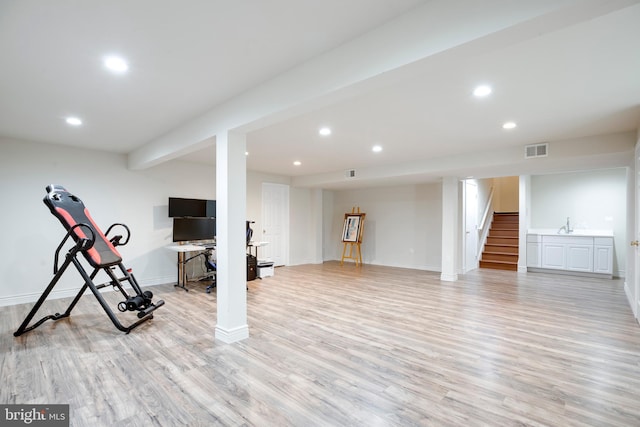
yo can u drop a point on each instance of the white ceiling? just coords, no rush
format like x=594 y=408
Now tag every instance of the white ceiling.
x=567 y=71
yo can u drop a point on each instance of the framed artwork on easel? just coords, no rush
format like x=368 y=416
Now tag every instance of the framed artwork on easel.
x=351 y=230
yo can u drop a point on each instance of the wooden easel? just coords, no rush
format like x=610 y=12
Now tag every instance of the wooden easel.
x=349 y=239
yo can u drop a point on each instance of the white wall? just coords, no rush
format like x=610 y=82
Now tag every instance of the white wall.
x=112 y=193
x=328 y=218
x=402 y=226
x=305 y=217
x=593 y=200
x=506 y=194
x=305 y=226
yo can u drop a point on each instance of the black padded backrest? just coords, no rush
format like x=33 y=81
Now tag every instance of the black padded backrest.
x=70 y=210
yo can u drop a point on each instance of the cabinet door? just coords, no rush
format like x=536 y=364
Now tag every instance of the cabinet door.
x=603 y=259
x=553 y=256
x=580 y=257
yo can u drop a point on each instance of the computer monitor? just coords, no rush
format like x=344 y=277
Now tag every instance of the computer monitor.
x=201 y=208
x=189 y=229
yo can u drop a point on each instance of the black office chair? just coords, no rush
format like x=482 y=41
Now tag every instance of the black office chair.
x=212 y=268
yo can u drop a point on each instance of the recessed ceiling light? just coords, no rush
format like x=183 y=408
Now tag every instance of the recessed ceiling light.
x=297 y=163
x=482 y=90
x=73 y=121
x=509 y=125
x=116 y=64
x=246 y=153
x=376 y=148
x=325 y=131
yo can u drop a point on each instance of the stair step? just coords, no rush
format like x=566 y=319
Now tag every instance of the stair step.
x=499 y=256
x=504 y=249
x=504 y=226
x=499 y=265
x=503 y=233
x=501 y=248
x=502 y=240
x=506 y=219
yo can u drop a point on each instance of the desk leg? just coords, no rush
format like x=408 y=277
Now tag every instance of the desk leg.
x=182 y=272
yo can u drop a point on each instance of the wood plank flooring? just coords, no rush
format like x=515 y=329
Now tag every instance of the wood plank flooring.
x=335 y=345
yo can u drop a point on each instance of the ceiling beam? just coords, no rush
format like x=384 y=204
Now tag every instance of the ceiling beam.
x=368 y=62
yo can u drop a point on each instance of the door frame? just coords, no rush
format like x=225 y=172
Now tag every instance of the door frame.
x=470 y=230
x=633 y=280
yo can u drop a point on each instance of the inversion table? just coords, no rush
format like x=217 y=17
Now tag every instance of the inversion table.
x=101 y=253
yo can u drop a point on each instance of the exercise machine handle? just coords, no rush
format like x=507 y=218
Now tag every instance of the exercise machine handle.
x=82 y=243
x=149 y=309
x=115 y=240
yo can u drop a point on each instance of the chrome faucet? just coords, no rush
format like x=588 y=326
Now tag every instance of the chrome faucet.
x=567 y=228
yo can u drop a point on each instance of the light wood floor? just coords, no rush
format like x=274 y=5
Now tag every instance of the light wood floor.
x=345 y=346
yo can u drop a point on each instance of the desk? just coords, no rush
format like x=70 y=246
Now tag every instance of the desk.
x=256 y=245
x=264 y=267
x=181 y=250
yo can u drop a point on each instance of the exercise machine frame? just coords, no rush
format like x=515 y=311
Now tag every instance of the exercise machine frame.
x=101 y=254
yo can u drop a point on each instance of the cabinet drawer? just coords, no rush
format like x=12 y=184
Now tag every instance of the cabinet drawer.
x=568 y=240
x=603 y=241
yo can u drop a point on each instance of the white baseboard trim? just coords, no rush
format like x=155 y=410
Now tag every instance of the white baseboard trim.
x=635 y=305
x=448 y=277
x=232 y=335
x=65 y=293
x=33 y=297
x=306 y=262
x=569 y=273
x=156 y=281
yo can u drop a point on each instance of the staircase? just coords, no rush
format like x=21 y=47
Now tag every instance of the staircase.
x=501 y=250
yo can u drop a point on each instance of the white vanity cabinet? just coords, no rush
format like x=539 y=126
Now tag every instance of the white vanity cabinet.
x=571 y=253
x=603 y=255
x=534 y=250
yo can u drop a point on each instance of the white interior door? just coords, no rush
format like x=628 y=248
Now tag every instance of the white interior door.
x=275 y=223
x=471 y=225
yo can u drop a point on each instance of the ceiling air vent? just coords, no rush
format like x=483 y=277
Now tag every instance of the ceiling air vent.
x=351 y=173
x=536 y=150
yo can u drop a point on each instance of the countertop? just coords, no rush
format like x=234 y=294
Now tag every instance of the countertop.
x=577 y=232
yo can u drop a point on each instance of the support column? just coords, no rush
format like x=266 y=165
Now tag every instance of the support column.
x=524 y=211
x=450 y=227
x=316 y=218
x=231 y=213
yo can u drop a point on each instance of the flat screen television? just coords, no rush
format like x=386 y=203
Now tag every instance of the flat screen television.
x=199 y=208
x=190 y=229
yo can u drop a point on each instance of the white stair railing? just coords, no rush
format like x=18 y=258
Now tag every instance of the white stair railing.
x=485 y=223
